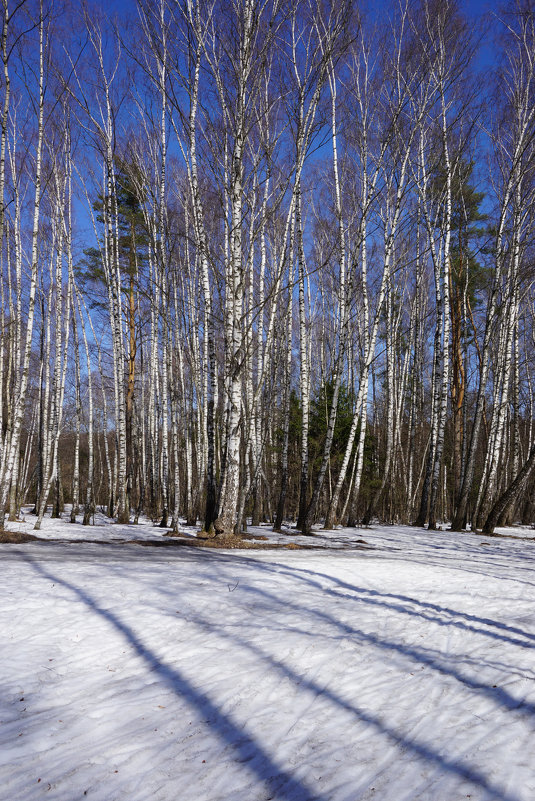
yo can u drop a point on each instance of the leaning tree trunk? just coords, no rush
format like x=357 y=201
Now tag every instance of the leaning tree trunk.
x=511 y=494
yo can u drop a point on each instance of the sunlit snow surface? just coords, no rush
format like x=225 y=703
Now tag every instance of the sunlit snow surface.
x=400 y=671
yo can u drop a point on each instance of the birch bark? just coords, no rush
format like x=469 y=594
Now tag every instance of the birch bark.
x=8 y=463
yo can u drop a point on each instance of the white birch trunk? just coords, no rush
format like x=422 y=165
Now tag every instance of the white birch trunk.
x=19 y=402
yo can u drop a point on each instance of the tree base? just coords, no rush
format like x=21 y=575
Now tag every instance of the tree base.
x=207 y=534
x=221 y=531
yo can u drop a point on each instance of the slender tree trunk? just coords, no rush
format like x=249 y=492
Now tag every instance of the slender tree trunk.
x=9 y=461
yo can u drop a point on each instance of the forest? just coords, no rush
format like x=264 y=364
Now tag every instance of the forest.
x=268 y=261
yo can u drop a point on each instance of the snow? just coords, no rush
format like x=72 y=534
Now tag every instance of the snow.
x=395 y=670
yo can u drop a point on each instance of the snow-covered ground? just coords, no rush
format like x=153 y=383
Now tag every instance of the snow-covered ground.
x=399 y=670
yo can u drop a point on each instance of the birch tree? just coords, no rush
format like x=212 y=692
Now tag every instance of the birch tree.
x=12 y=437
x=513 y=142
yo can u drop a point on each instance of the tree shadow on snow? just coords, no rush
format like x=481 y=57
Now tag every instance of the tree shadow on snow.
x=422 y=656
x=278 y=781
x=412 y=745
x=421 y=609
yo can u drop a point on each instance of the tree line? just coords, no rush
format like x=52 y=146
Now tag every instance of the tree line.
x=267 y=260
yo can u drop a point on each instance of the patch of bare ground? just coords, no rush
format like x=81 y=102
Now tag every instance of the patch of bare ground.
x=226 y=543
x=16 y=537
x=244 y=543
x=174 y=540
